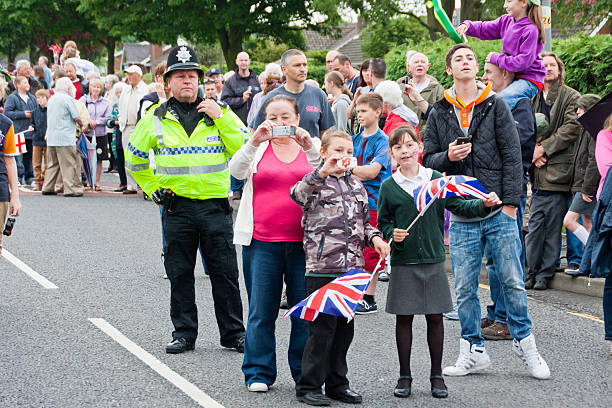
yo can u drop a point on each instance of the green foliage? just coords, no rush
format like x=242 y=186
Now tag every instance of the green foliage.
x=316 y=57
x=263 y=49
x=147 y=78
x=378 y=39
x=257 y=66
x=588 y=62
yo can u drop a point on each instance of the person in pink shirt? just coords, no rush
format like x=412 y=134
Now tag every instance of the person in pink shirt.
x=268 y=226
x=603 y=151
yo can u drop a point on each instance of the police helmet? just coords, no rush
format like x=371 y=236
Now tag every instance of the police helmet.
x=182 y=57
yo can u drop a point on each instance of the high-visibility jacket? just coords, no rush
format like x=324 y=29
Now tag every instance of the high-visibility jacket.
x=193 y=166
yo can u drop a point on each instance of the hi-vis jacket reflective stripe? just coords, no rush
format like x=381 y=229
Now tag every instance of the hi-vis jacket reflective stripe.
x=193 y=166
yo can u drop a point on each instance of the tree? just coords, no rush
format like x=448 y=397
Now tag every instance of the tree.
x=228 y=21
x=378 y=39
x=579 y=14
x=36 y=24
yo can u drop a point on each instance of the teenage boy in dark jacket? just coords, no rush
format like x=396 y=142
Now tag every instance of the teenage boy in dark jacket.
x=492 y=154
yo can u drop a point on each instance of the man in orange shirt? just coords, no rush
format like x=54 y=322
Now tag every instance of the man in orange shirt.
x=9 y=192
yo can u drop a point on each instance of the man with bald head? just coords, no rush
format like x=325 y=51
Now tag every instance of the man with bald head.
x=329 y=59
x=240 y=89
x=417 y=79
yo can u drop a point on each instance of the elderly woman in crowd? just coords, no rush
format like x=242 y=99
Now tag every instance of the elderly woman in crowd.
x=113 y=123
x=270 y=79
x=397 y=113
x=109 y=82
x=99 y=110
x=268 y=225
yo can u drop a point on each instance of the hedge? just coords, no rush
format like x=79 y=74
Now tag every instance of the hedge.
x=588 y=61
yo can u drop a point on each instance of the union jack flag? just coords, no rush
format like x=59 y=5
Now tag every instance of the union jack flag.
x=339 y=297
x=453 y=186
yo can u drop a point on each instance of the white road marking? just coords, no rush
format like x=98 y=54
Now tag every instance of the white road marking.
x=160 y=368
x=44 y=282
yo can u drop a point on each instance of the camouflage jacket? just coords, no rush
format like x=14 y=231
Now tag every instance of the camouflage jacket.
x=335 y=222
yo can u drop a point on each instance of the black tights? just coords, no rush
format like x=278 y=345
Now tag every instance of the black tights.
x=435 y=341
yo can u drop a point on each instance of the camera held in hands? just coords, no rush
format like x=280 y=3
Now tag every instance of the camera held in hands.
x=283 y=131
x=347 y=163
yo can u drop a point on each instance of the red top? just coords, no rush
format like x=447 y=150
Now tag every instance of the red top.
x=276 y=217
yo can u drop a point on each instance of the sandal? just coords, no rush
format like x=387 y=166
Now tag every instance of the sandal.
x=403 y=392
x=97 y=188
x=438 y=392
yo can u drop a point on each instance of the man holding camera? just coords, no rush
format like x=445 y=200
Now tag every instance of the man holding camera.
x=193 y=140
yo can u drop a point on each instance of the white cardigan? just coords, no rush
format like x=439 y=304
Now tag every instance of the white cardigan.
x=242 y=166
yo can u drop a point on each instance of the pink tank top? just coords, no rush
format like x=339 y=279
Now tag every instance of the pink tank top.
x=276 y=217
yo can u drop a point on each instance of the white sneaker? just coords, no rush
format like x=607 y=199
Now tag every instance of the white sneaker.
x=470 y=359
x=257 y=387
x=528 y=352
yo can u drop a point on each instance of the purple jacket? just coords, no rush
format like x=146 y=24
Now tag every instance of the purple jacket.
x=99 y=111
x=520 y=46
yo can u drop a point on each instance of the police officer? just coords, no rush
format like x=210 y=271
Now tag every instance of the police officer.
x=192 y=139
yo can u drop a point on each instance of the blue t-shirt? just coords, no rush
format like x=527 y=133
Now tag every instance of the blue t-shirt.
x=370 y=149
x=315 y=113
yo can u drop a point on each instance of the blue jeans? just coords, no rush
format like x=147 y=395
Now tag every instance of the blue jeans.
x=607 y=306
x=265 y=266
x=236 y=185
x=469 y=241
x=518 y=89
x=575 y=249
x=497 y=311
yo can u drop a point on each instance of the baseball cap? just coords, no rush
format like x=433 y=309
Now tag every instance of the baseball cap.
x=134 y=69
x=213 y=71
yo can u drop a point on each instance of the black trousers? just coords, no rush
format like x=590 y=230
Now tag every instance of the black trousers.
x=187 y=225
x=324 y=358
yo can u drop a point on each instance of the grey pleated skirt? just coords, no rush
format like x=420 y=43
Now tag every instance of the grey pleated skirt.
x=418 y=289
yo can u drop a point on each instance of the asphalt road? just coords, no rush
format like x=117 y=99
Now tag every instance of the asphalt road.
x=103 y=254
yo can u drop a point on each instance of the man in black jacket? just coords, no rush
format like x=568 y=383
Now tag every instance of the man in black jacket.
x=495 y=325
x=240 y=89
x=471 y=132
x=238 y=93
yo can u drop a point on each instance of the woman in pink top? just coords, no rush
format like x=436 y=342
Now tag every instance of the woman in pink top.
x=603 y=151
x=268 y=226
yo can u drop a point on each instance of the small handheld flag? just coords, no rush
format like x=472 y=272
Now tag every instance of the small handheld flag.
x=339 y=297
x=453 y=186
x=20 y=144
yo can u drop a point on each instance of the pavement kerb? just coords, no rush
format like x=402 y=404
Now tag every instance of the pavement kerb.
x=561 y=281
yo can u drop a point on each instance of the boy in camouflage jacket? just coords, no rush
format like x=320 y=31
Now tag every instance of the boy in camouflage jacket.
x=336 y=230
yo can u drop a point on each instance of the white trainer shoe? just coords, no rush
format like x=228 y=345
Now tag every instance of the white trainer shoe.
x=470 y=359
x=528 y=352
x=257 y=387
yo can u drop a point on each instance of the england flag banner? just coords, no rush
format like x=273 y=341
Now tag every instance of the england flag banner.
x=20 y=143
x=339 y=297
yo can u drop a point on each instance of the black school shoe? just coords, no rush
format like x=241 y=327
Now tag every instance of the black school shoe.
x=438 y=392
x=404 y=392
x=179 y=345
x=314 y=398
x=346 y=395
x=237 y=345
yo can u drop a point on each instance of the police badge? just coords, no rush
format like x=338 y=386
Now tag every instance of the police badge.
x=183 y=54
